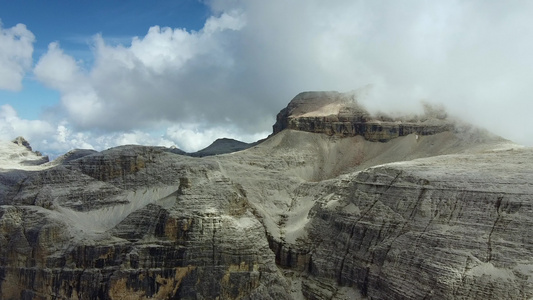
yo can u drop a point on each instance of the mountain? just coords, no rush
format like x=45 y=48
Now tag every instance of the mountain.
x=331 y=206
x=18 y=154
x=222 y=146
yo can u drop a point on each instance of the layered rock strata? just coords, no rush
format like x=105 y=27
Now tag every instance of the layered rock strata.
x=32 y=157
x=334 y=113
x=299 y=216
x=132 y=222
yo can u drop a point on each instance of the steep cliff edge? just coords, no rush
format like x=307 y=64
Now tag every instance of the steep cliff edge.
x=300 y=216
x=340 y=114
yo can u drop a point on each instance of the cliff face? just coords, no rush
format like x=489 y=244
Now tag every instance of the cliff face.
x=434 y=229
x=299 y=216
x=133 y=221
x=339 y=114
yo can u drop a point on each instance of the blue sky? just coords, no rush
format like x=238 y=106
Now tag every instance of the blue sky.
x=74 y=23
x=71 y=22
x=97 y=74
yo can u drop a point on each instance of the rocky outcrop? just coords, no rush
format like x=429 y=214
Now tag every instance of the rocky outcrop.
x=22 y=142
x=436 y=229
x=34 y=157
x=299 y=216
x=334 y=113
x=136 y=222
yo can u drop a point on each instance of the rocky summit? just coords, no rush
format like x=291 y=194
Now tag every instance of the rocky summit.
x=336 y=204
x=340 y=114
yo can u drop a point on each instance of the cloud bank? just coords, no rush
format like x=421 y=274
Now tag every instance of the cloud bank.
x=16 y=49
x=167 y=75
x=173 y=86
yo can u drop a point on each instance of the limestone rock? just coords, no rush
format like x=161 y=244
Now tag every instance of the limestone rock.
x=19 y=153
x=22 y=142
x=335 y=113
x=73 y=154
x=302 y=215
x=440 y=228
x=116 y=223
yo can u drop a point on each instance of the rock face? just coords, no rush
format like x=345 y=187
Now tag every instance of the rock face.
x=435 y=228
x=31 y=158
x=335 y=113
x=302 y=215
x=134 y=221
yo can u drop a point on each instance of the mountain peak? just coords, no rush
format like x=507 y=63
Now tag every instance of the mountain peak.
x=222 y=146
x=21 y=141
x=340 y=114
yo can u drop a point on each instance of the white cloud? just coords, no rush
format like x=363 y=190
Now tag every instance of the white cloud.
x=471 y=56
x=252 y=57
x=59 y=70
x=55 y=139
x=16 y=48
x=65 y=138
x=192 y=137
x=43 y=136
x=11 y=125
x=159 y=77
x=138 y=137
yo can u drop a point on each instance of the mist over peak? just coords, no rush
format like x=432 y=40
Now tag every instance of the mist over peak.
x=176 y=86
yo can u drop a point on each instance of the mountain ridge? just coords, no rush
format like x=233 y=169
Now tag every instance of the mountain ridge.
x=301 y=215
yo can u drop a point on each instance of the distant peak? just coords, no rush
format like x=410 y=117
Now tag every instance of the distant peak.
x=226 y=140
x=222 y=146
x=22 y=142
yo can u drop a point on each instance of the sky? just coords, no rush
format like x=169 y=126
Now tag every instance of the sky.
x=98 y=74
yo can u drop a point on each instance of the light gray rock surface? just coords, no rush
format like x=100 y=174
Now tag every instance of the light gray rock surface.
x=302 y=215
